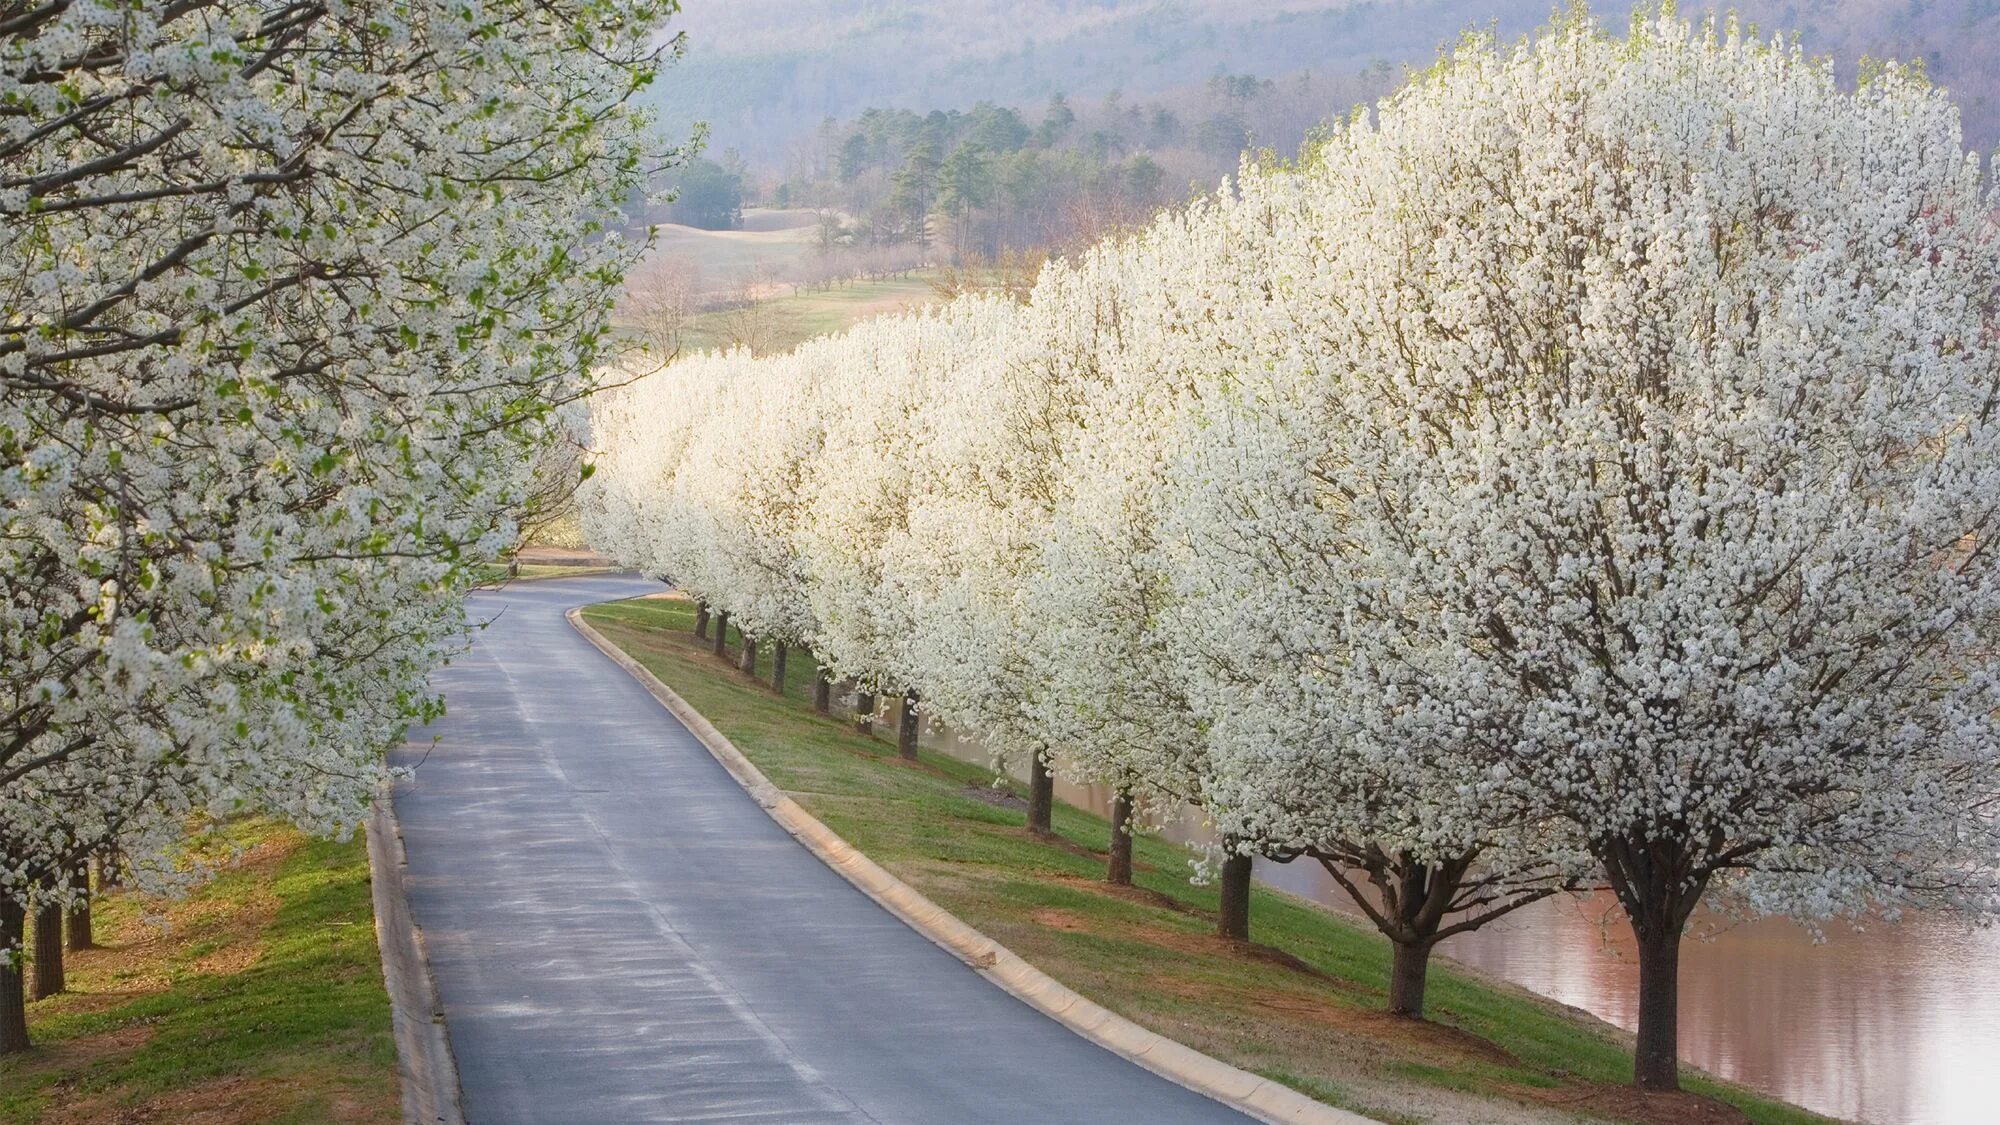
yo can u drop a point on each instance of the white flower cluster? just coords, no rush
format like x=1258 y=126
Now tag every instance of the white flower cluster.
x=1585 y=467
x=290 y=292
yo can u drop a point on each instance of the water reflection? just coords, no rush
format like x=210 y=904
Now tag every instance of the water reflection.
x=1893 y=1024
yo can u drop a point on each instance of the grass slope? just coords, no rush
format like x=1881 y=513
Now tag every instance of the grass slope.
x=1301 y=1006
x=258 y=998
x=777 y=242
x=791 y=320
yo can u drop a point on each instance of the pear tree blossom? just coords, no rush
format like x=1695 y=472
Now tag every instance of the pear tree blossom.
x=1582 y=467
x=972 y=515
x=858 y=494
x=292 y=292
x=640 y=427
x=1662 y=507
x=733 y=505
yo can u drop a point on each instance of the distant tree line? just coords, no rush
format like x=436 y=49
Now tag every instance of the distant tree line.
x=979 y=183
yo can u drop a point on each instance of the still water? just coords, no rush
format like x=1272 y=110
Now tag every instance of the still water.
x=1889 y=1025
x=1892 y=1024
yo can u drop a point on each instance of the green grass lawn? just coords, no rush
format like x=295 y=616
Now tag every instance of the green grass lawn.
x=258 y=998
x=1302 y=1005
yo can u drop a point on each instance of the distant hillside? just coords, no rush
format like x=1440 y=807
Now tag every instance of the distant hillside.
x=765 y=73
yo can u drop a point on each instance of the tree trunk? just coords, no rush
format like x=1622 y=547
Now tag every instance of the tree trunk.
x=1406 y=978
x=1658 y=880
x=701 y=621
x=1119 y=871
x=13 y=994
x=747 y=662
x=1656 y=1058
x=864 y=712
x=1233 y=920
x=1041 y=796
x=48 y=951
x=822 y=692
x=906 y=728
x=721 y=632
x=81 y=933
x=778 y=667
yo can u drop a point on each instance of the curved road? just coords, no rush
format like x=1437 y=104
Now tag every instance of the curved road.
x=620 y=934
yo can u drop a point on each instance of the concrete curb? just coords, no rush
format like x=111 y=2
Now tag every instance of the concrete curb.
x=1254 y=1095
x=424 y=1063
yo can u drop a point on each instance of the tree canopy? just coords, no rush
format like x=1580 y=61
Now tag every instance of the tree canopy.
x=1581 y=470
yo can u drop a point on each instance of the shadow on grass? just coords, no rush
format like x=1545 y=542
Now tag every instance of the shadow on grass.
x=257 y=998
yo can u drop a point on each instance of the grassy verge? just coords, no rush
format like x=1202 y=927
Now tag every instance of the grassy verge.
x=1301 y=1006
x=496 y=574
x=258 y=998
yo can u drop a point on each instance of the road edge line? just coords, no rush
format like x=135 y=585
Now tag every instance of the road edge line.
x=425 y=1066
x=1253 y=1094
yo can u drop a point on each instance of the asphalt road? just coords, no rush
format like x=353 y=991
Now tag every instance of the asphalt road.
x=619 y=933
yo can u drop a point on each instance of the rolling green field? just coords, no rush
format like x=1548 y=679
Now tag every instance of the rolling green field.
x=792 y=320
x=258 y=998
x=777 y=241
x=1302 y=1005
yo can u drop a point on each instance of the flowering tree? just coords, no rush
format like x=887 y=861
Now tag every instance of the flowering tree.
x=291 y=293
x=954 y=561
x=1133 y=336
x=1585 y=466
x=733 y=505
x=1415 y=833
x=858 y=494
x=1667 y=482
x=640 y=428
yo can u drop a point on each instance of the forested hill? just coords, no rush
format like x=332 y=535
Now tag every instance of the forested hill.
x=765 y=73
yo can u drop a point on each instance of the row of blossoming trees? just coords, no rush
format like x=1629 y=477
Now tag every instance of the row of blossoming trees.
x=1582 y=471
x=289 y=292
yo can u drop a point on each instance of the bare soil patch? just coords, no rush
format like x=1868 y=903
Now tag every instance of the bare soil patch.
x=1068 y=921
x=997 y=797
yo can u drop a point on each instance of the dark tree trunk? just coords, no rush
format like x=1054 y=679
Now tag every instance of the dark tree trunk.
x=81 y=933
x=1659 y=882
x=48 y=951
x=1656 y=1057
x=721 y=632
x=1406 y=978
x=701 y=621
x=1041 y=796
x=747 y=662
x=778 y=667
x=1119 y=871
x=864 y=712
x=1420 y=902
x=822 y=692
x=906 y=728
x=1233 y=920
x=13 y=988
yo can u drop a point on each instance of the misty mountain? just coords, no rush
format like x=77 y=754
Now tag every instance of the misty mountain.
x=764 y=74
